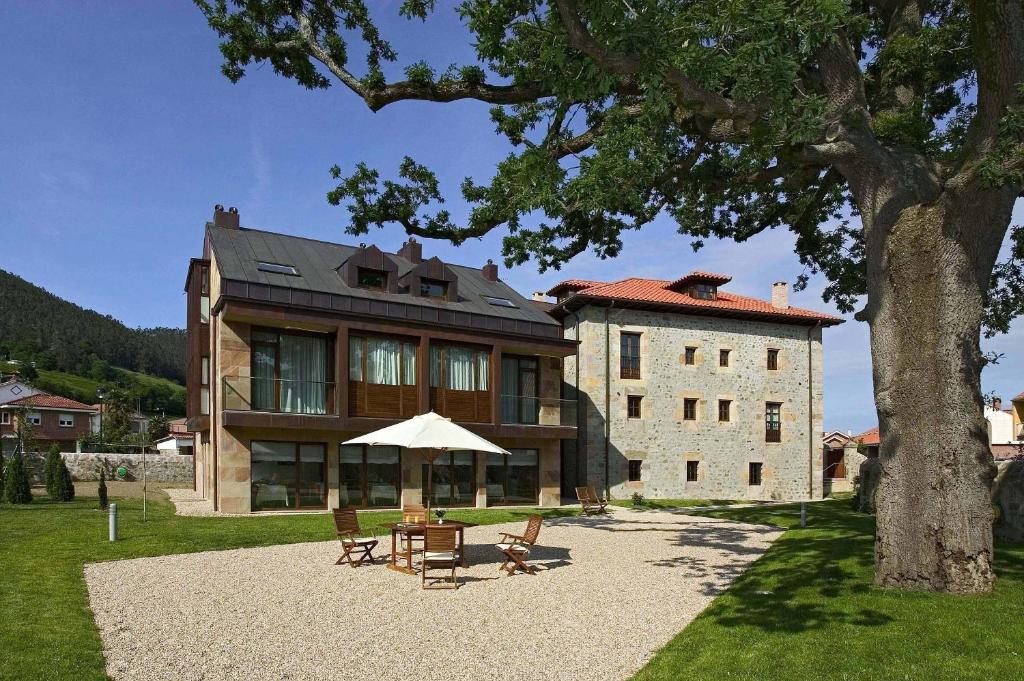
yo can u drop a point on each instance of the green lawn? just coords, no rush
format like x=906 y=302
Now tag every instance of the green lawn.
x=46 y=628
x=807 y=610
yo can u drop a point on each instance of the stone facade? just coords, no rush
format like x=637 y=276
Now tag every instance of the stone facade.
x=86 y=467
x=663 y=440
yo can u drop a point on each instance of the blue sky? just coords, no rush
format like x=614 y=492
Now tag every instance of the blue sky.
x=120 y=134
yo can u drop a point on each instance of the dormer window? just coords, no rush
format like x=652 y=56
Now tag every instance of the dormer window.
x=704 y=291
x=376 y=280
x=432 y=288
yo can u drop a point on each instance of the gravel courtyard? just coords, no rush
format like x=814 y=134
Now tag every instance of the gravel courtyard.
x=611 y=591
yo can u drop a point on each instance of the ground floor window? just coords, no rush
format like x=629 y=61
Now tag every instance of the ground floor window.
x=454 y=480
x=691 y=470
x=513 y=479
x=288 y=475
x=369 y=477
x=754 y=473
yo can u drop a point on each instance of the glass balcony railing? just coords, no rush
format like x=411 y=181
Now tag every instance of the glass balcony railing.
x=279 y=395
x=537 y=411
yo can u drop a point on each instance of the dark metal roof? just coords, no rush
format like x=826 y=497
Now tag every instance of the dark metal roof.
x=238 y=251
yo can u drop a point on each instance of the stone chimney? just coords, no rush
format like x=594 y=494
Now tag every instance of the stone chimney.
x=227 y=219
x=539 y=296
x=412 y=251
x=997 y=404
x=780 y=295
x=490 y=271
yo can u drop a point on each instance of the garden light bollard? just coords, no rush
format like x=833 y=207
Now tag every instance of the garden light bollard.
x=113 y=522
x=803 y=514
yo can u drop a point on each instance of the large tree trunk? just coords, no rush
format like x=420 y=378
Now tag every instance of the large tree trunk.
x=926 y=295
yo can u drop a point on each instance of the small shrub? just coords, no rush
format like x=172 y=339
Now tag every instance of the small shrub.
x=102 y=491
x=16 y=486
x=3 y=474
x=638 y=500
x=51 y=472
x=64 y=485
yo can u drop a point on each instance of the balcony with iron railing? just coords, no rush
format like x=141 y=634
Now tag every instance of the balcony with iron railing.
x=279 y=395
x=537 y=411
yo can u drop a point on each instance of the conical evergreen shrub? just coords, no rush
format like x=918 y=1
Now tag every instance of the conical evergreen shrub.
x=16 y=486
x=102 y=491
x=66 y=486
x=51 y=472
x=3 y=473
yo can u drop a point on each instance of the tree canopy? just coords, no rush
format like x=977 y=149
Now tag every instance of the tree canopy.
x=731 y=117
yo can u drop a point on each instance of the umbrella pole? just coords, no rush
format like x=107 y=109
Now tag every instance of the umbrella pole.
x=430 y=484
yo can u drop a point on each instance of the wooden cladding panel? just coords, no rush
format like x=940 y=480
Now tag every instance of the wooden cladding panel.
x=468 y=406
x=383 y=401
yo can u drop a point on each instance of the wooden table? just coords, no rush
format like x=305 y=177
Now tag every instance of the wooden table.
x=417 y=530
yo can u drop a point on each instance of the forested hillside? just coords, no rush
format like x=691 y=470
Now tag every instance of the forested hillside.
x=36 y=325
x=67 y=350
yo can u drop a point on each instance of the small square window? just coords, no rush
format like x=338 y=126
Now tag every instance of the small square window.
x=723 y=358
x=34 y=418
x=773 y=359
x=67 y=420
x=754 y=473
x=5 y=418
x=724 y=410
x=690 y=409
x=634 y=470
x=371 y=279
x=691 y=470
x=431 y=288
x=633 y=406
x=277 y=268
x=691 y=356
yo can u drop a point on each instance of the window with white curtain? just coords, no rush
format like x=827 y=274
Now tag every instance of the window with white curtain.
x=289 y=372
x=382 y=361
x=459 y=368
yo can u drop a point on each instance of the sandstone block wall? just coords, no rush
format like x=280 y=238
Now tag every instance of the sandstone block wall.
x=664 y=441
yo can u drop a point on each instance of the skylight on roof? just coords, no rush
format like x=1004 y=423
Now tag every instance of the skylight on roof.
x=498 y=302
x=277 y=268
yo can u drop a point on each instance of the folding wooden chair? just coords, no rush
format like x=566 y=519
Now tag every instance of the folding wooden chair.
x=440 y=552
x=516 y=548
x=357 y=549
x=590 y=502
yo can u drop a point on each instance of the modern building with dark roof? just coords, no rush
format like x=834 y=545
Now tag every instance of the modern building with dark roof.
x=296 y=345
x=691 y=391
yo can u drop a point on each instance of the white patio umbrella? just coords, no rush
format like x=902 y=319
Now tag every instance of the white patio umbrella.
x=431 y=432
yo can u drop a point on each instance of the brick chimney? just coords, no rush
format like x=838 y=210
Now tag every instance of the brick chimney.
x=780 y=295
x=227 y=219
x=490 y=271
x=412 y=251
x=539 y=296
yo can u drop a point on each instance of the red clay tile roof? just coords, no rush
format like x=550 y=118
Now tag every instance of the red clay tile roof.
x=869 y=437
x=1007 y=451
x=573 y=285
x=698 y=277
x=50 y=402
x=1018 y=398
x=177 y=426
x=655 y=291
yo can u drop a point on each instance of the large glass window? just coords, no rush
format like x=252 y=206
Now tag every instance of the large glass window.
x=519 y=381
x=513 y=479
x=369 y=477
x=290 y=372
x=288 y=475
x=773 y=422
x=459 y=368
x=454 y=480
x=382 y=361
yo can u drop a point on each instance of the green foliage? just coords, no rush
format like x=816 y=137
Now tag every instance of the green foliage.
x=65 y=486
x=638 y=499
x=159 y=427
x=36 y=325
x=101 y=491
x=117 y=416
x=17 y=489
x=51 y=472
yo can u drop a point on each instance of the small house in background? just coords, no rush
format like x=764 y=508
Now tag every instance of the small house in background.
x=177 y=441
x=54 y=419
x=842 y=460
x=1005 y=432
x=870 y=441
x=12 y=389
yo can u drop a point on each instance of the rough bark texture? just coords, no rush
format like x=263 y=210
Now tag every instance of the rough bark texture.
x=926 y=300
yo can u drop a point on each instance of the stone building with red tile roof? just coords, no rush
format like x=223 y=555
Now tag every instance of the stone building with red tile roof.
x=692 y=391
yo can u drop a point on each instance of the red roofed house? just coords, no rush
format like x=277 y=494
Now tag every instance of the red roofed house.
x=690 y=391
x=870 y=441
x=53 y=419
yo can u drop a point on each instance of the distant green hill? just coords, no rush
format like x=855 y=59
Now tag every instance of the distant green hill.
x=75 y=350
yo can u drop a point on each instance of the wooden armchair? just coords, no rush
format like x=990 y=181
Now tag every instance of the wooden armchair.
x=440 y=552
x=590 y=502
x=357 y=549
x=412 y=540
x=516 y=548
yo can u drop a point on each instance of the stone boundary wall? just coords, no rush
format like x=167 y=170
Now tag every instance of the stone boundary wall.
x=86 y=467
